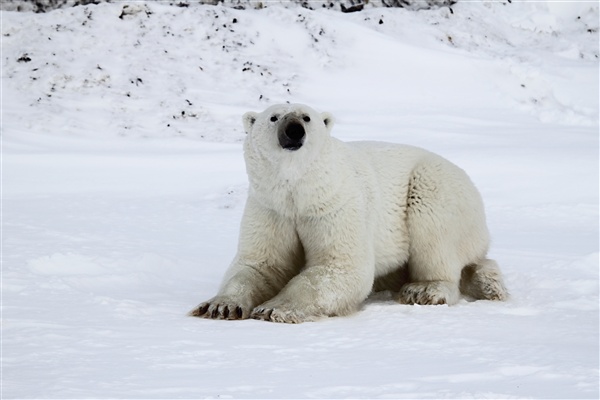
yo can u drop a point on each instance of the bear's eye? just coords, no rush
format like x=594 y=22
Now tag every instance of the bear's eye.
x=274 y=118
x=306 y=118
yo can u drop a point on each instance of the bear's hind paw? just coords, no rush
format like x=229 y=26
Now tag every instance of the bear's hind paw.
x=429 y=293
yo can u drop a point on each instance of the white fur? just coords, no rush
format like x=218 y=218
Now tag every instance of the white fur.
x=323 y=223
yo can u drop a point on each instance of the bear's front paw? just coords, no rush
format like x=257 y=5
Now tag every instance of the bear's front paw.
x=429 y=293
x=280 y=315
x=215 y=309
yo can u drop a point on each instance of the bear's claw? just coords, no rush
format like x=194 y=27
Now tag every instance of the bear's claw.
x=201 y=310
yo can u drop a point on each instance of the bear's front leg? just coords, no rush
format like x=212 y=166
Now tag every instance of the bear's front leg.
x=338 y=276
x=246 y=287
x=269 y=255
x=318 y=292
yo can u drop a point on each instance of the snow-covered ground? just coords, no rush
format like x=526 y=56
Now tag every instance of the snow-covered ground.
x=123 y=185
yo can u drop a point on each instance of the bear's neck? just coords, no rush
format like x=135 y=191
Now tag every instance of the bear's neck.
x=312 y=189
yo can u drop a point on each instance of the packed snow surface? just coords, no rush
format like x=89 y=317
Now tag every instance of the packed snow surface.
x=123 y=186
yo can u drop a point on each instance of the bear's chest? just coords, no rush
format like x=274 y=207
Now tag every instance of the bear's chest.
x=297 y=200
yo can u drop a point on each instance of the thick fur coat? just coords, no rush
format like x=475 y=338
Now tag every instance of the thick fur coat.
x=328 y=222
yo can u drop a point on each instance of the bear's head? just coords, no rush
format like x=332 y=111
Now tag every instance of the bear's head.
x=284 y=144
x=285 y=128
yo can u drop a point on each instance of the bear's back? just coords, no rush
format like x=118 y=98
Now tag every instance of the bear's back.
x=392 y=162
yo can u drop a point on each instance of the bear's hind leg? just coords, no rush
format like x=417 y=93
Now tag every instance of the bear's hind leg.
x=483 y=281
x=434 y=275
x=446 y=228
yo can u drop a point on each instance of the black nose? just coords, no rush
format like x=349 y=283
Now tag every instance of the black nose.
x=292 y=136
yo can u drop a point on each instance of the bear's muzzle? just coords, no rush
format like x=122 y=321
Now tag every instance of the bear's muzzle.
x=291 y=133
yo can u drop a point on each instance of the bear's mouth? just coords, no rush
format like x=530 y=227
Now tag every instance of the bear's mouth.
x=291 y=136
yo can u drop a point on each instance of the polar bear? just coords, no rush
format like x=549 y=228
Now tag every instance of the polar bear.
x=328 y=222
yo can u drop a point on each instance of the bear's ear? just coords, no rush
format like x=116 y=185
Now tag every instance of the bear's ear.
x=327 y=120
x=249 y=119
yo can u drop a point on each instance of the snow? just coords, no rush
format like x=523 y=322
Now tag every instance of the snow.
x=123 y=185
